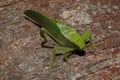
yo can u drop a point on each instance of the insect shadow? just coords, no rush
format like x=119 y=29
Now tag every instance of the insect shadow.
x=76 y=52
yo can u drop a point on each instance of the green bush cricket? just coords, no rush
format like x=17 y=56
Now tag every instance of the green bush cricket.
x=67 y=38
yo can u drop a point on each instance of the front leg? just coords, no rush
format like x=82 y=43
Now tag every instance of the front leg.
x=88 y=36
x=65 y=50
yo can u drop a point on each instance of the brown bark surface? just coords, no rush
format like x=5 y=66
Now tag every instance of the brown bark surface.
x=23 y=58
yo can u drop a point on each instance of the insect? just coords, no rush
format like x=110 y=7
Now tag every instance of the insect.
x=67 y=38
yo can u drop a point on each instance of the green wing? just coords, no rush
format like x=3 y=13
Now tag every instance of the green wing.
x=51 y=26
x=72 y=35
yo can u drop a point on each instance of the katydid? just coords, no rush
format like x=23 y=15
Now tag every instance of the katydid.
x=67 y=38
